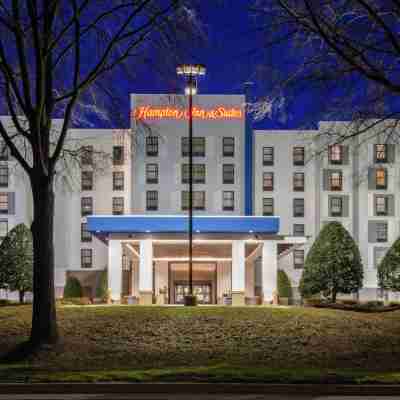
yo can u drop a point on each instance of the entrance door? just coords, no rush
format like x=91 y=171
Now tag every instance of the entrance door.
x=201 y=290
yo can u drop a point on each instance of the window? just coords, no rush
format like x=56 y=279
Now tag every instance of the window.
x=381 y=232
x=152 y=146
x=381 y=205
x=298 y=155
x=298 y=259
x=335 y=180
x=335 y=154
x=86 y=258
x=86 y=236
x=298 y=182
x=152 y=200
x=228 y=173
x=86 y=206
x=3 y=228
x=228 y=146
x=4 y=176
x=3 y=151
x=118 y=205
x=199 y=200
x=228 y=201
x=118 y=155
x=268 y=206
x=268 y=156
x=336 y=206
x=151 y=173
x=381 y=178
x=87 y=155
x=118 y=180
x=298 y=229
x=3 y=203
x=87 y=180
x=268 y=181
x=199 y=146
x=199 y=173
x=380 y=151
x=298 y=207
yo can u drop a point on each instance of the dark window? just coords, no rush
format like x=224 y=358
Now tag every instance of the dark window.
x=87 y=180
x=86 y=258
x=118 y=155
x=298 y=182
x=228 y=200
x=268 y=181
x=298 y=229
x=268 y=156
x=118 y=180
x=86 y=236
x=335 y=154
x=87 y=155
x=86 y=206
x=298 y=207
x=152 y=200
x=381 y=178
x=298 y=155
x=228 y=173
x=268 y=206
x=199 y=173
x=298 y=259
x=199 y=146
x=335 y=180
x=4 y=176
x=381 y=205
x=381 y=232
x=3 y=228
x=336 y=206
x=4 y=153
x=117 y=205
x=199 y=200
x=151 y=173
x=228 y=144
x=152 y=146
x=380 y=151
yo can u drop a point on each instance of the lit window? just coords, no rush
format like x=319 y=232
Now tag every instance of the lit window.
x=298 y=182
x=336 y=206
x=298 y=259
x=87 y=180
x=199 y=200
x=117 y=205
x=151 y=173
x=228 y=201
x=152 y=146
x=335 y=180
x=298 y=155
x=87 y=155
x=86 y=236
x=4 y=203
x=3 y=228
x=298 y=207
x=86 y=258
x=380 y=153
x=268 y=156
x=118 y=155
x=86 y=206
x=118 y=180
x=268 y=181
x=381 y=205
x=228 y=172
x=199 y=173
x=336 y=154
x=298 y=229
x=228 y=145
x=381 y=179
x=268 y=206
x=152 y=200
x=381 y=232
x=198 y=146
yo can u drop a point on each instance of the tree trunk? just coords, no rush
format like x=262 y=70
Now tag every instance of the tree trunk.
x=21 y=294
x=334 y=296
x=44 y=321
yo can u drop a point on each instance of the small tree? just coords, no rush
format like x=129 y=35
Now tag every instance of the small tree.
x=284 y=286
x=102 y=288
x=73 y=288
x=16 y=261
x=389 y=269
x=333 y=264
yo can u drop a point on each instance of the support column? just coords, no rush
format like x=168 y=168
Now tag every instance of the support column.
x=269 y=270
x=146 y=272
x=114 y=274
x=238 y=273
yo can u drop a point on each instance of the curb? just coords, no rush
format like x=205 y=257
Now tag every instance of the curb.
x=199 y=388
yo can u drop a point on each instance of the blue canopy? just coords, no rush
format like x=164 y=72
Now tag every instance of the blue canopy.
x=179 y=224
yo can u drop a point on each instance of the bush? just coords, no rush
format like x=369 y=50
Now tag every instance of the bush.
x=74 y=301
x=349 y=302
x=102 y=288
x=5 y=302
x=333 y=264
x=73 y=288
x=389 y=269
x=374 y=303
x=284 y=286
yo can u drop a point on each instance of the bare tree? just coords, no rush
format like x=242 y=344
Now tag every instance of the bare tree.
x=52 y=54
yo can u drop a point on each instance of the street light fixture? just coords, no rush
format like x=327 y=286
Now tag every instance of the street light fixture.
x=191 y=72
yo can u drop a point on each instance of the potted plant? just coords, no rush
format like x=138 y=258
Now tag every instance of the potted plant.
x=227 y=299
x=284 y=288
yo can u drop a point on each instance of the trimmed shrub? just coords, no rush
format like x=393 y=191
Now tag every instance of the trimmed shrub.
x=73 y=288
x=102 y=288
x=348 y=302
x=74 y=301
x=284 y=286
x=333 y=264
x=389 y=269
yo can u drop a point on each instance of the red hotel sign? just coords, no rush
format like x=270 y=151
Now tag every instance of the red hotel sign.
x=217 y=113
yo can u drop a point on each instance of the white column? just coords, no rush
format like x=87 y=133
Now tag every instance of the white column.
x=115 y=269
x=269 y=270
x=146 y=271
x=238 y=272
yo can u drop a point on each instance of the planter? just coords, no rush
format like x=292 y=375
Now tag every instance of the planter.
x=227 y=301
x=253 y=301
x=160 y=300
x=190 y=301
x=284 y=301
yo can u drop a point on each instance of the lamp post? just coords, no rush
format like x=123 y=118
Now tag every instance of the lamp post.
x=191 y=72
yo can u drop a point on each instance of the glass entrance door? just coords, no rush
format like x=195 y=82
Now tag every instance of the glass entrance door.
x=201 y=291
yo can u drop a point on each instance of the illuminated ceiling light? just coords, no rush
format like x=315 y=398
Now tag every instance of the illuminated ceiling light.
x=191 y=70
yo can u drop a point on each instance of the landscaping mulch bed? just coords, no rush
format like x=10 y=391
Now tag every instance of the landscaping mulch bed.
x=362 y=308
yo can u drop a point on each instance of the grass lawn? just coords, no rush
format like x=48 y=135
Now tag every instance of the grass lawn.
x=209 y=343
